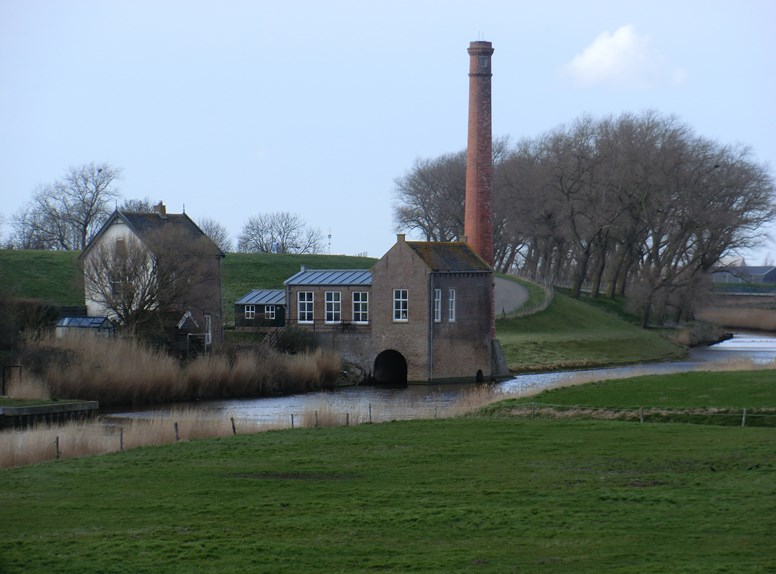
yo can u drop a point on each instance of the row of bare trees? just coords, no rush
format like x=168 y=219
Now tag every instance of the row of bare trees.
x=635 y=203
x=65 y=215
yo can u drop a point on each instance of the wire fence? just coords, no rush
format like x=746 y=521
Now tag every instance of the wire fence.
x=745 y=417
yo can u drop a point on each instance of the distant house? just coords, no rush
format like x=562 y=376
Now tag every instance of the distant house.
x=260 y=310
x=193 y=298
x=745 y=274
x=420 y=314
x=97 y=325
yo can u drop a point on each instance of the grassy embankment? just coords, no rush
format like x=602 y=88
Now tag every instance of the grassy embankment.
x=575 y=334
x=568 y=334
x=472 y=494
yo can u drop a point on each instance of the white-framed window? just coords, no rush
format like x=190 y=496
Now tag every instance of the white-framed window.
x=437 y=305
x=208 y=331
x=333 y=307
x=250 y=311
x=269 y=312
x=400 y=300
x=305 y=306
x=361 y=306
x=451 y=306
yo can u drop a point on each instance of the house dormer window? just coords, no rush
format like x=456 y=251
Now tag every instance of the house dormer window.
x=400 y=305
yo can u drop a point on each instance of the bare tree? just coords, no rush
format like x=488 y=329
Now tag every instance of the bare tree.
x=217 y=233
x=430 y=197
x=65 y=215
x=279 y=232
x=145 y=205
x=137 y=282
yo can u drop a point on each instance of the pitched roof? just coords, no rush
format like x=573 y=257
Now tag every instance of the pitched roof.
x=449 y=257
x=330 y=277
x=145 y=223
x=263 y=297
x=142 y=224
x=85 y=322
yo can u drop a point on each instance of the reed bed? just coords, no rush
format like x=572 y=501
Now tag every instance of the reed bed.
x=740 y=318
x=126 y=372
x=86 y=438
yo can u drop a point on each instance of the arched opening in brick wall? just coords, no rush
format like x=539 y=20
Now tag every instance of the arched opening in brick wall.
x=390 y=369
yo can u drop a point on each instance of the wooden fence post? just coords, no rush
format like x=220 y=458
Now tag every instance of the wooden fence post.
x=641 y=414
x=234 y=428
x=177 y=435
x=533 y=409
x=56 y=444
x=370 y=412
x=316 y=419
x=347 y=419
x=743 y=419
x=121 y=439
x=292 y=420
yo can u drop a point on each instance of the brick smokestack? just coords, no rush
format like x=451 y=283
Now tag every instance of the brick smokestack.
x=478 y=214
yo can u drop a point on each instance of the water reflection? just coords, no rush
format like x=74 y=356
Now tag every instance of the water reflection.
x=365 y=404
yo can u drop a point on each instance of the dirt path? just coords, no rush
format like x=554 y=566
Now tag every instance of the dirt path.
x=509 y=296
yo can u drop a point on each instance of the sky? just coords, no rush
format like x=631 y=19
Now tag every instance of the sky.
x=229 y=109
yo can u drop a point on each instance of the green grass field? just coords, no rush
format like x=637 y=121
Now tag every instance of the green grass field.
x=483 y=494
x=573 y=334
x=51 y=276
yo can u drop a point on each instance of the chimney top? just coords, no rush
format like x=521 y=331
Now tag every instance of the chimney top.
x=160 y=209
x=400 y=238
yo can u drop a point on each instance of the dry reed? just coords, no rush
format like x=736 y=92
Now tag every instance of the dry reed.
x=29 y=388
x=122 y=372
x=85 y=438
x=740 y=318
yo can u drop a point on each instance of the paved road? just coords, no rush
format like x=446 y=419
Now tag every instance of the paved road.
x=509 y=296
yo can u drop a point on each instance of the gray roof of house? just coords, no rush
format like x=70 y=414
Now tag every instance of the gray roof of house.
x=144 y=224
x=330 y=277
x=263 y=297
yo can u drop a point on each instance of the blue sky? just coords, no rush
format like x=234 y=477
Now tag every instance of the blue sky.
x=315 y=107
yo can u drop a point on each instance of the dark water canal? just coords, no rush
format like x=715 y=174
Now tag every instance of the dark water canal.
x=364 y=404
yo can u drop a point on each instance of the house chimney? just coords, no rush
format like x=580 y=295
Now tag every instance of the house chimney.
x=160 y=209
x=478 y=213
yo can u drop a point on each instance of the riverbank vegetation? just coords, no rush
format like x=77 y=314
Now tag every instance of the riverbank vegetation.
x=127 y=372
x=479 y=493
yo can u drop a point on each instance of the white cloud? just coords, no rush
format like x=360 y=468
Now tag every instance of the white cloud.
x=624 y=59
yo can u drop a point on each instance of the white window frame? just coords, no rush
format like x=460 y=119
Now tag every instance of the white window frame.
x=305 y=307
x=333 y=301
x=437 y=305
x=250 y=312
x=401 y=305
x=451 y=306
x=269 y=312
x=361 y=307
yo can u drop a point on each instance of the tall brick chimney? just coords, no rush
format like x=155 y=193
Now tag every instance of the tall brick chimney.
x=478 y=214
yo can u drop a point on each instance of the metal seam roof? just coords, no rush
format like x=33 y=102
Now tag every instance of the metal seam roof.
x=331 y=277
x=263 y=297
